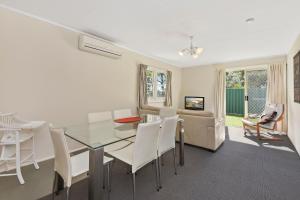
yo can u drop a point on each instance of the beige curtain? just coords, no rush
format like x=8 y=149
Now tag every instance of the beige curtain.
x=142 y=92
x=168 y=101
x=276 y=89
x=220 y=95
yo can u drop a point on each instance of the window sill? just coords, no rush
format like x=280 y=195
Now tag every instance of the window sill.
x=156 y=100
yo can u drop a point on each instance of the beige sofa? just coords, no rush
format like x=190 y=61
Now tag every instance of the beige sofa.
x=200 y=127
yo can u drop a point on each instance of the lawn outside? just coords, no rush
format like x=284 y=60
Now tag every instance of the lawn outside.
x=233 y=120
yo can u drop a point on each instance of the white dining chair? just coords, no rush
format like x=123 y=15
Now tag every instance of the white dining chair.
x=99 y=116
x=122 y=113
x=166 y=141
x=167 y=112
x=11 y=138
x=142 y=151
x=106 y=116
x=67 y=167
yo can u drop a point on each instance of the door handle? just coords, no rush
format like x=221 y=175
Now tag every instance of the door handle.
x=246 y=98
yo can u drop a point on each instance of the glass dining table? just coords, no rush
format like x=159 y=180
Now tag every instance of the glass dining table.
x=96 y=136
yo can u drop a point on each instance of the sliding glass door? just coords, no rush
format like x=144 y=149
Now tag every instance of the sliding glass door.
x=255 y=91
x=246 y=91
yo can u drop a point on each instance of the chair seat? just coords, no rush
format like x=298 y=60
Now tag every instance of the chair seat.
x=269 y=125
x=248 y=122
x=10 y=138
x=124 y=154
x=116 y=146
x=33 y=125
x=80 y=163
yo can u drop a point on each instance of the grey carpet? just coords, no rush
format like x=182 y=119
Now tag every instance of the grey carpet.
x=243 y=168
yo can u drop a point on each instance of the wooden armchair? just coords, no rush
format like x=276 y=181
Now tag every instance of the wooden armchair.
x=272 y=125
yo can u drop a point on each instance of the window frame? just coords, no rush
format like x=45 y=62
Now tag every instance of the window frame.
x=155 y=98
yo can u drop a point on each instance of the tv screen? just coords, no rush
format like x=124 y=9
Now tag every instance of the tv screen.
x=194 y=103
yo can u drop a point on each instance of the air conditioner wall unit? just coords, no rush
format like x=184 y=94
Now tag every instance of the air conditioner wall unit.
x=97 y=46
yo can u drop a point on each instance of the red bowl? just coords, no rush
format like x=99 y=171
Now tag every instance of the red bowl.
x=128 y=120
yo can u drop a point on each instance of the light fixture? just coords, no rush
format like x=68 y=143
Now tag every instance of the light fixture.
x=192 y=50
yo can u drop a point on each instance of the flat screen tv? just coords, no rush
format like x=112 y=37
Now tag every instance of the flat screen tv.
x=194 y=103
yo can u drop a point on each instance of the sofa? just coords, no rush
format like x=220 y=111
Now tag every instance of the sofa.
x=200 y=127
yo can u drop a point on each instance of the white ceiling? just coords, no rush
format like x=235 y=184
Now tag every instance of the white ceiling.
x=160 y=28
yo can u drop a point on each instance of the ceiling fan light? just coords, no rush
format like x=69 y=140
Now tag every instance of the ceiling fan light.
x=199 y=51
x=192 y=51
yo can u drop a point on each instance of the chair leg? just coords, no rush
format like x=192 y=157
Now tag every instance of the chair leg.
x=174 y=156
x=159 y=172
x=60 y=183
x=36 y=166
x=157 y=178
x=54 y=187
x=109 y=168
x=18 y=162
x=258 y=132
x=133 y=184
x=104 y=178
x=245 y=131
x=68 y=193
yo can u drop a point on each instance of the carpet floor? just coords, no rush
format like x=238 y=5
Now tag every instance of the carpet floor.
x=242 y=169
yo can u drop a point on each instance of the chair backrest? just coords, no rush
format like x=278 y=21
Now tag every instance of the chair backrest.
x=7 y=120
x=62 y=160
x=279 y=108
x=7 y=123
x=99 y=116
x=167 y=134
x=145 y=145
x=167 y=112
x=122 y=113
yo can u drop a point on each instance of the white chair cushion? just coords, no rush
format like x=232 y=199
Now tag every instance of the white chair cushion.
x=248 y=122
x=124 y=154
x=116 y=146
x=80 y=163
x=10 y=138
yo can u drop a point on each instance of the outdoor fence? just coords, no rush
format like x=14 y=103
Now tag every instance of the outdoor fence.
x=235 y=101
x=235 y=104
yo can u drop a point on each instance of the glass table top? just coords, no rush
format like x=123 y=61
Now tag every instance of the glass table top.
x=100 y=134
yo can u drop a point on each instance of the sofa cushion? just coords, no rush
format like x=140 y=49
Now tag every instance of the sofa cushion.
x=153 y=108
x=194 y=112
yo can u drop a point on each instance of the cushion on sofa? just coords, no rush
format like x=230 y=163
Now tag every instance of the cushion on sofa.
x=195 y=112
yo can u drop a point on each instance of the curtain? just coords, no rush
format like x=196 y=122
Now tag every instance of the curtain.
x=142 y=92
x=276 y=89
x=220 y=95
x=168 y=101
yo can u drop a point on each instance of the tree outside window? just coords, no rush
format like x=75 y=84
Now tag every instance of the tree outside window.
x=149 y=83
x=156 y=83
x=161 y=79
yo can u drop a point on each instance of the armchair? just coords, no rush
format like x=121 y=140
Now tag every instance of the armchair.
x=258 y=125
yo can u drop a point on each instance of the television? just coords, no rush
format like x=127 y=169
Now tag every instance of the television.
x=194 y=103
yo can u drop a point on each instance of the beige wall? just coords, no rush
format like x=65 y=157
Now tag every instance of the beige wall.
x=43 y=75
x=200 y=80
x=293 y=108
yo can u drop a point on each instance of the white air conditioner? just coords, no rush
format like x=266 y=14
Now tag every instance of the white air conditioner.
x=97 y=46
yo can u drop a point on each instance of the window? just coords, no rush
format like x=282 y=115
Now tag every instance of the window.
x=156 y=84
x=149 y=83
x=161 y=84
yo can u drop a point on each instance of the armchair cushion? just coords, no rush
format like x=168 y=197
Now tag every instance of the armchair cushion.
x=268 y=117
